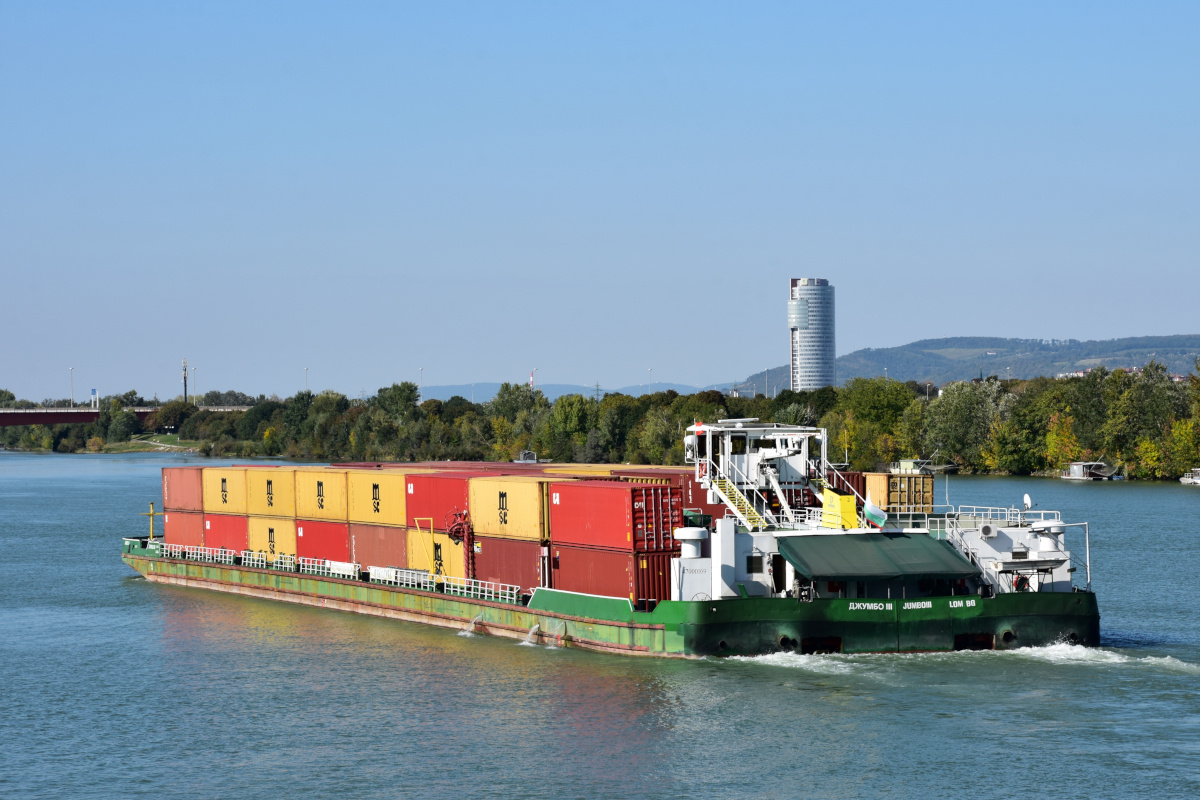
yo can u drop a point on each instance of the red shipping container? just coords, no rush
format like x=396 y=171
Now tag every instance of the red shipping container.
x=226 y=532
x=616 y=515
x=590 y=571
x=694 y=497
x=652 y=578
x=182 y=489
x=185 y=528
x=434 y=497
x=378 y=546
x=327 y=540
x=514 y=561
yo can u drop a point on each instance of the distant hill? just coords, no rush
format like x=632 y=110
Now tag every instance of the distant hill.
x=964 y=357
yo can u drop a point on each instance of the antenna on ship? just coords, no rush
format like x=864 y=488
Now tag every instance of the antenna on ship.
x=152 y=514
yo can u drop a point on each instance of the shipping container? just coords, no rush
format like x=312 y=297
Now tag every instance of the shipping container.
x=509 y=507
x=273 y=536
x=271 y=491
x=184 y=528
x=652 y=579
x=615 y=515
x=591 y=571
x=225 y=532
x=912 y=493
x=436 y=553
x=224 y=490
x=183 y=489
x=877 y=488
x=431 y=499
x=513 y=561
x=321 y=494
x=377 y=497
x=378 y=546
x=694 y=496
x=322 y=539
x=848 y=483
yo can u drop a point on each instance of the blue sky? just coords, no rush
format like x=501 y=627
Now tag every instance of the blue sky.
x=592 y=190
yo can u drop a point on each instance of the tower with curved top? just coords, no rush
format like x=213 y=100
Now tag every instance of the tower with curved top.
x=810 y=323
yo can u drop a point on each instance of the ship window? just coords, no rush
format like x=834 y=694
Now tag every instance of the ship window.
x=761 y=444
x=754 y=565
x=737 y=445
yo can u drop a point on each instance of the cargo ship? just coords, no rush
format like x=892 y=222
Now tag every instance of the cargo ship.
x=758 y=544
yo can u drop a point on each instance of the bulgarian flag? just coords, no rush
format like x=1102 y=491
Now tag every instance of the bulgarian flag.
x=875 y=515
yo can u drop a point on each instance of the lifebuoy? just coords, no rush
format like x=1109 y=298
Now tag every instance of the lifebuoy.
x=1020 y=583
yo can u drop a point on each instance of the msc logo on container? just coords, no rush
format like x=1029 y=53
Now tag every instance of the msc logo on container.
x=271 y=501
x=271 y=532
x=321 y=495
x=555 y=500
x=375 y=497
x=503 y=510
x=224 y=491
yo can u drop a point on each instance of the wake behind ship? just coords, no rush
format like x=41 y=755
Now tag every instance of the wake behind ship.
x=759 y=545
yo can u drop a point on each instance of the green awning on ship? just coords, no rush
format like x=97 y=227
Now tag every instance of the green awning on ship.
x=874 y=556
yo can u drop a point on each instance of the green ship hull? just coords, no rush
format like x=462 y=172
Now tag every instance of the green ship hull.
x=742 y=626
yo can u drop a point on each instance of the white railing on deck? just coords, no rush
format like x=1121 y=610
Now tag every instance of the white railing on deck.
x=1013 y=515
x=253 y=559
x=211 y=554
x=172 y=551
x=329 y=569
x=481 y=590
x=460 y=587
x=285 y=562
x=405 y=578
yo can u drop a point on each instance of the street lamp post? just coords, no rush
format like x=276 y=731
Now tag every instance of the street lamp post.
x=650 y=385
x=72 y=387
x=306 y=379
x=421 y=384
x=533 y=378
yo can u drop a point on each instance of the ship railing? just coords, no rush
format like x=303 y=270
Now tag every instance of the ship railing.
x=252 y=559
x=214 y=555
x=949 y=531
x=329 y=569
x=172 y=551
x=263 y=560
x=481 y=590
x=460 y=587
x=404 y=578
x=1014 y=516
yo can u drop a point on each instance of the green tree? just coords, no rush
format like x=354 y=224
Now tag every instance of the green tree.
x=878 y=401
x=513 y=398
x=910 y=433
x=960 y=422
x=124 y=426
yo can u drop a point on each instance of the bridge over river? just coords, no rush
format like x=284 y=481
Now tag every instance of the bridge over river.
x=80 y=416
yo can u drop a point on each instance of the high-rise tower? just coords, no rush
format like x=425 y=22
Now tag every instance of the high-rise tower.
x=810 y=323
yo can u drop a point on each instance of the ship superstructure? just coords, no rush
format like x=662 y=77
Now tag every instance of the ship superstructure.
x=791 y=509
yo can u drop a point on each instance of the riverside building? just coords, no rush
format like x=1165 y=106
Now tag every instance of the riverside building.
x=810 y=325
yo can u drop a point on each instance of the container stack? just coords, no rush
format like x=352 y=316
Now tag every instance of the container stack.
x=226 y=524
x=271 y=505
x=591 y=528
x=615 y=538
x=378 y=521
x=183 y=506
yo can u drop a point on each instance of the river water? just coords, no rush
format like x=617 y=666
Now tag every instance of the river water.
x=116 y=687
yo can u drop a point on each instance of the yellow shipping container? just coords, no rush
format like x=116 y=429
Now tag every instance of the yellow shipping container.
x=224 y=490
x=582 y=469
x=877 y=488
x=435 y=553
x=271 y=492
x=910 y=493
x=321 y=494
x=509 y=507
x=376 y=497
x=272 y=536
